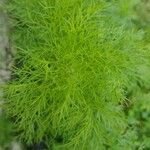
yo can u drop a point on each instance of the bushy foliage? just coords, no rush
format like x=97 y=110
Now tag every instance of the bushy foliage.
x=139 y=113
x=76 y=63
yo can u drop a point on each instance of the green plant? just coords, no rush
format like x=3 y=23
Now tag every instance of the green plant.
x=75 y=65
x=6 y=131
x=139 y=119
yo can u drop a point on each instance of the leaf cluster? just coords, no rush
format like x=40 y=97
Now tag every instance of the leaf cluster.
x=75 y=65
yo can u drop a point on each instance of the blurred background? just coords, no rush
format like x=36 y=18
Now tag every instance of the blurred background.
x=137 y=108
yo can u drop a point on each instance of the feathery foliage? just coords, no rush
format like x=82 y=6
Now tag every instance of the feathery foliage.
x=75 y=65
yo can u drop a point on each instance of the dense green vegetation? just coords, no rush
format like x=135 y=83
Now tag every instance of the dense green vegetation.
x=81 y=78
